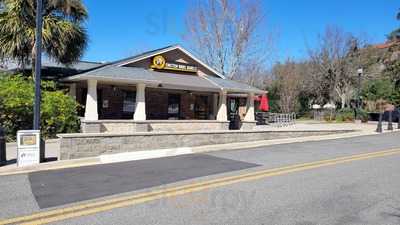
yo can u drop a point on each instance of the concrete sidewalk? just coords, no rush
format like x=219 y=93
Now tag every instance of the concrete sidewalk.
x=52 y=150
x=324 y=126
x=52 y=147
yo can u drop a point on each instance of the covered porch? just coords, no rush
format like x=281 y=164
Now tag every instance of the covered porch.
x=130 y=101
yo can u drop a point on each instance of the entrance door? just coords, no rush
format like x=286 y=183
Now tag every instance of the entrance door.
x=174 y=106
x=233 y=113
x=201 y=108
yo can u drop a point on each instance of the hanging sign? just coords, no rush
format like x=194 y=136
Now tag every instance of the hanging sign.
x=160 y=63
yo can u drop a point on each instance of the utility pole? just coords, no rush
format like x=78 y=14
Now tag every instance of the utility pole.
x=38 y=64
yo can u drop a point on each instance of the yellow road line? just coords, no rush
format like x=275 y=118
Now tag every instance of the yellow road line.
x=118 y=202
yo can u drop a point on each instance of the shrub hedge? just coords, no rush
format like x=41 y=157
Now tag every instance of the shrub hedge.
x=58 y=110
x=347 y=115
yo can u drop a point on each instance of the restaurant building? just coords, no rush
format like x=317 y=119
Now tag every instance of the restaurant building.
x=167 y=89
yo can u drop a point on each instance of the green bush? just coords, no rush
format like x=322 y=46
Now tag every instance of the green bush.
x=345 y=115
x=58 y=110
x=362 y=115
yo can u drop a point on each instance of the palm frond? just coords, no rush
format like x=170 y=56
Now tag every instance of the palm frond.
x=64 y=37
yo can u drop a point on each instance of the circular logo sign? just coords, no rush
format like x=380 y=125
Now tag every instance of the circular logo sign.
x=158 y=62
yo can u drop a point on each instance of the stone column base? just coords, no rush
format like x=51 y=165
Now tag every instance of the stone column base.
x=141 y=127
x=247 y=125
x=88 y=127
x=225 y=125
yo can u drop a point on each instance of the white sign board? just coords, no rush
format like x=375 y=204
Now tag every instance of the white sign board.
x=28 y=145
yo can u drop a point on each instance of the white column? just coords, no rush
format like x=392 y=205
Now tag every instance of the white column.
x=140 y=110
x=215 y=106
x=250 y=108
x=91 y=101
x=222 y=110
x=72 y=90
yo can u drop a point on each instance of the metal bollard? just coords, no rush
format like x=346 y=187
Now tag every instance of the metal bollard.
x=293 y=118
x=3 y=156
x=280 y=120
x=390 y=124
x=379 y=128
x=398 y=122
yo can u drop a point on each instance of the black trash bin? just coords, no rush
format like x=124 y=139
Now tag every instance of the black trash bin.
x=3 y=157
x=234 y=122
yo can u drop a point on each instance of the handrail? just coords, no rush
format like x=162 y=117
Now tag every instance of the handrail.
x=279 y=119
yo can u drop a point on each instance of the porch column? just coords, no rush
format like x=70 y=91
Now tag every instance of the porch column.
x=91 y=101
x=222 y=110
x=140 y=110
x=72 y=90
x=215 y=106
x=250 y=108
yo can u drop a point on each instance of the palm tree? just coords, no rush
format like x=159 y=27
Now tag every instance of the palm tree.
x=395 y=35
x=64 y=37
x=398 y=15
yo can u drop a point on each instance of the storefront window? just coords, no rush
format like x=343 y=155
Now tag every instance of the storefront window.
x=201 y=107
x=174 y=101
x=129 y=102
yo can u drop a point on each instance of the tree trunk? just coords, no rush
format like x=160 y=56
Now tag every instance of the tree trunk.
x=33 y=60
x=343 y=101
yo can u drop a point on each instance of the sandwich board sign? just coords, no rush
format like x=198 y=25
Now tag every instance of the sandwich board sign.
x=28 y=146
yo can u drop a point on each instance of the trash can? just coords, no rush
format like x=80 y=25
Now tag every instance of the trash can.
x=3 y=158
x=234 y=122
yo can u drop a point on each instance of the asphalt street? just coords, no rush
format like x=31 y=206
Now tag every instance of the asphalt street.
x=363 y=192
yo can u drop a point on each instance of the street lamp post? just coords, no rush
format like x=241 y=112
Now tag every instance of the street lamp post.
x=358 y=101
x=38 y=64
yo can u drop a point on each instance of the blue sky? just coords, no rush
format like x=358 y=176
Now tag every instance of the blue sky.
x=121 y=28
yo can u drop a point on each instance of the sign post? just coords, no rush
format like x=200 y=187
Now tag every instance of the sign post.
x=28 y=146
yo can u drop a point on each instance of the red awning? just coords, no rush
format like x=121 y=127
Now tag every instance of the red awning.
x=264 y=104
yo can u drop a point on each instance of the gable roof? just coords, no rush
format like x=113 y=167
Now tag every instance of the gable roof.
x=152 y=53
x=115 y=71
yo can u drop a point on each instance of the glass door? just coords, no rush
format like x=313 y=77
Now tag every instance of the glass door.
x=174 y=106
x=233 y=113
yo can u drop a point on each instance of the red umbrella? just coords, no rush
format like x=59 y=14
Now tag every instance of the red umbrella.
x=264 y=104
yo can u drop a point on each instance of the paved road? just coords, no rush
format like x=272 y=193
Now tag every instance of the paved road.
x=363 y=191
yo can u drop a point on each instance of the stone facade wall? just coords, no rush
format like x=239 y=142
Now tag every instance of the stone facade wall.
x=188 y=126
x=73 y=146
x=130 y=126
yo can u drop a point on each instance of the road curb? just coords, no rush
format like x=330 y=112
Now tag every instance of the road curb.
x=159 y=153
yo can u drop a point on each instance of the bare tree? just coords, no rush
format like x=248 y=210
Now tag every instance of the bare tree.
x=333 y=68
x=288 y=77
x=253 y=74
x=227 y=33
